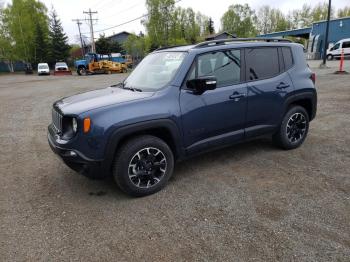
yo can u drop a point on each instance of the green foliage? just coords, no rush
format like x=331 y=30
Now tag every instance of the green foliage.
x=58 y=40
x=41 y=44
x=136 y=46
x=239 y=20
x=20 y=25
x=271 y=20
x=106 y=46
x=320 y=12
x=167 y=25
x=343 y=12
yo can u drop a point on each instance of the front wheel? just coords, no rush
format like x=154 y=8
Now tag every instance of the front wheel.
x=143 y=165
x=293 y=129
x=81 y=71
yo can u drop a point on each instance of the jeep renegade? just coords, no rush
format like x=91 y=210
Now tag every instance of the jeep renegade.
x=181 y=101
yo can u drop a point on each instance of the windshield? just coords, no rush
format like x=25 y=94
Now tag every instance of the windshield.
x=43 y=67
x=155 y=71
x=335 y=47
x=61 y=64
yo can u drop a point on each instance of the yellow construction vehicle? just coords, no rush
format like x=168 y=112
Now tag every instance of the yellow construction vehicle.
x=99 y=64
x=105 y=66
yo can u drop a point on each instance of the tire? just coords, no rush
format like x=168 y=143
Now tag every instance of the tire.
x=143 y=165
x=81 y=71
x=330 y=57
x=293 y=129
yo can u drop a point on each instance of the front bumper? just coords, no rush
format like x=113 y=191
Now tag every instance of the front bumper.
x=43 y=72
x=76 y=160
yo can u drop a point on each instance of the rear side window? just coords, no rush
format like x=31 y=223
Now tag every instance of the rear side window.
x=346 y=45
x=224 y=65
x=262 y=63
x=287 y=57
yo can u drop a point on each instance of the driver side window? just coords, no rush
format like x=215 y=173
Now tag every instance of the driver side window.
x=224 y=65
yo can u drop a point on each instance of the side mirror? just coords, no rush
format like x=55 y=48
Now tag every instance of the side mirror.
x=200 y=85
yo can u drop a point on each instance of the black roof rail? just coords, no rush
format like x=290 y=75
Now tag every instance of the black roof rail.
x=228 y=40
x=167 y=47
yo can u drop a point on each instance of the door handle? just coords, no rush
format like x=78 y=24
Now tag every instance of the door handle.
x=237 y=96
x=282 y=85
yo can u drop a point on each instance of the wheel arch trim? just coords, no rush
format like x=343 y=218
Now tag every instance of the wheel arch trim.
x=305 y=95
x=120 y=133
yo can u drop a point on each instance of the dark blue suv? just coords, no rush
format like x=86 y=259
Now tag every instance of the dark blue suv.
x=182 y=101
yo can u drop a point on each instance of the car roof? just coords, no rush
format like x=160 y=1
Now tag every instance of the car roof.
x=227 y=44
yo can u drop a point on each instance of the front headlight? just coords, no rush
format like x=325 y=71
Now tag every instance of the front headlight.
x=74 y=124
x=69 y=127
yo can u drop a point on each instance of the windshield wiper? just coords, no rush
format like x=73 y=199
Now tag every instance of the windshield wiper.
x=122 y=85
x=132 y=88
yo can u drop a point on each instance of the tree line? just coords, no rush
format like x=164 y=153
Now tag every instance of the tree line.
x=169 y=25
x=29 y=33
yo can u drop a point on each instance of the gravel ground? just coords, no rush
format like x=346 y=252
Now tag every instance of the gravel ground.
x=251 y=202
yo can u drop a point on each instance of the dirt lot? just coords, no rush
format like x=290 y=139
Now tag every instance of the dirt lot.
x=246 y=203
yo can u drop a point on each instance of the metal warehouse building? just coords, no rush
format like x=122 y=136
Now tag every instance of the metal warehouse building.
x=338 y=29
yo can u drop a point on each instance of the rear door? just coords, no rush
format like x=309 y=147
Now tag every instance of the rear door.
x=268 y=84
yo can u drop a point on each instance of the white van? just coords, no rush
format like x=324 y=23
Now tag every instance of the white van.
x=43 y=69
x=335 y=51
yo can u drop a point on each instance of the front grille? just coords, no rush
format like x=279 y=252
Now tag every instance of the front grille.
x=57 y=120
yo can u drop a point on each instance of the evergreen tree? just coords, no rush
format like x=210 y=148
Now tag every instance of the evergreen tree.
x=106 y=46
x=40 y=51
x=211 y=29
x=103 y=45
x=58 y=40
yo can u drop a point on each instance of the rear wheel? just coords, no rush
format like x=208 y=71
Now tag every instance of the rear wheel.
x=293 y=129
x=143 y=165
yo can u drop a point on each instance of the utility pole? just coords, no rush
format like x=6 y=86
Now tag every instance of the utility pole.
x=90 y=13
x=327 y=32
x=81 y=39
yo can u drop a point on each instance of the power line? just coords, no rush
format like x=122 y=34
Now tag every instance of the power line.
x=81 y=39
x=127 y=22
x=123 y=11
x=90 y=13
x=130 y=21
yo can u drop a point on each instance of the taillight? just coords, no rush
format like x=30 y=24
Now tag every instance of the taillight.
x=313 y=78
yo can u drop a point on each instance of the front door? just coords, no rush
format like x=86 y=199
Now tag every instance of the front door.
x=215 y=117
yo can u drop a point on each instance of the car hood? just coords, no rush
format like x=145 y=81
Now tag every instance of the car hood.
x=84 y=102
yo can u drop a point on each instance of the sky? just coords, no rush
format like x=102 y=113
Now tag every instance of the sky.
x=115 y=12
